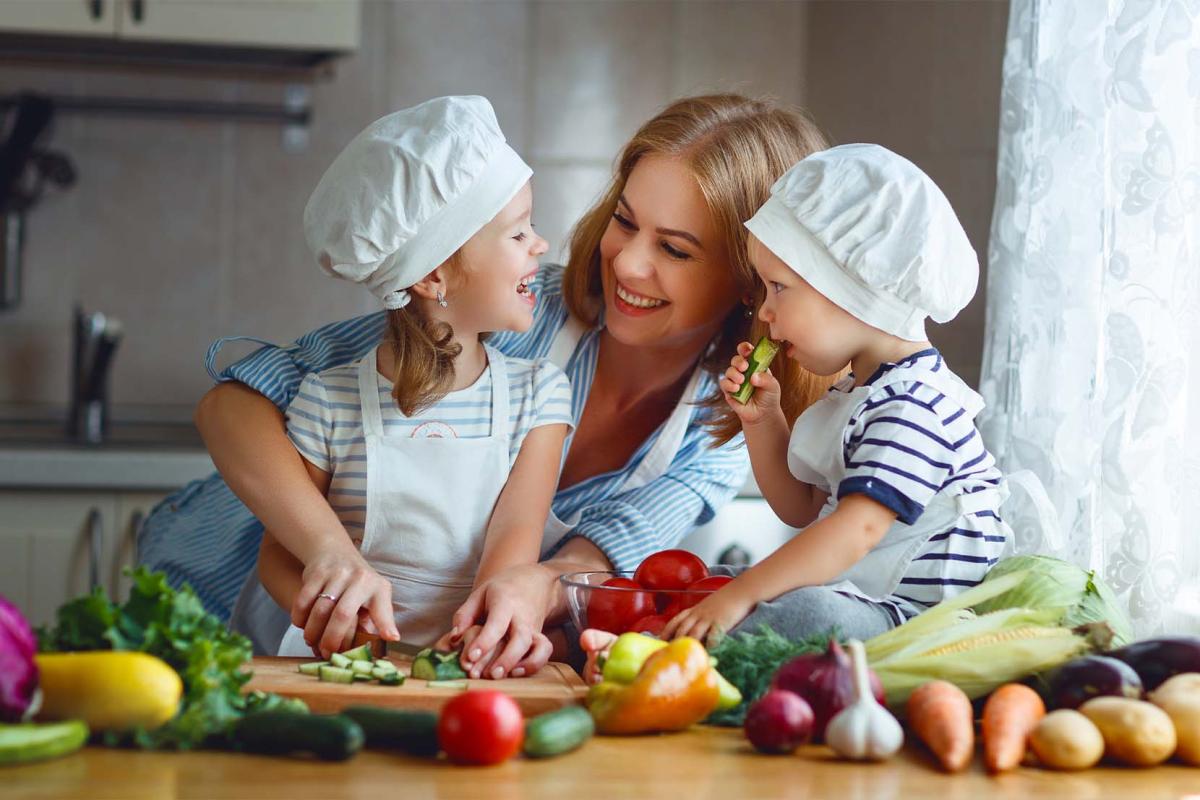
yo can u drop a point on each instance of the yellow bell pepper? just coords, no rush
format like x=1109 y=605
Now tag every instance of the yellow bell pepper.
x=675 y=688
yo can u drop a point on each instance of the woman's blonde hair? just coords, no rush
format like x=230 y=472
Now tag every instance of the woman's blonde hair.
x=423 y=350
x=735 y=147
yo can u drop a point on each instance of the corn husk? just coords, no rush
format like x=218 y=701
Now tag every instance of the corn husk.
x=1079 y=595
x=976 y=652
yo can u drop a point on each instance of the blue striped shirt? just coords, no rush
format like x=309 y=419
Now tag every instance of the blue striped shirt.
x=906 y=443
x=325 y=422
x=203 y=534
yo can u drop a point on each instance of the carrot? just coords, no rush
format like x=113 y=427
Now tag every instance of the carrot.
x=1009 y=716
x=941 y=716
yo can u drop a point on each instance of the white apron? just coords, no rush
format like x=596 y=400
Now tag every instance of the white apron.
x=656 y=461
x=816 y=456
x=428 y=506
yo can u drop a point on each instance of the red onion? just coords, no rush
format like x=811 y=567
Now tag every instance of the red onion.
x=18 y=671
x=826 y=681
x=779 y=722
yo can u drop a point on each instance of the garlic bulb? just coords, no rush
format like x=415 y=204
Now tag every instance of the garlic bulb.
x=863 y=730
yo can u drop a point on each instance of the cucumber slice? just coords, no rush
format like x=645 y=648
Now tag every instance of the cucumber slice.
x=390 y=679
x=335 y=675
x=361 y=667
x=360 y=653
x=459 y=685
x=360 y=677
x=340 y=661
x=312 y=668
x=437 y=665
x=764 y=352
x=383 y=663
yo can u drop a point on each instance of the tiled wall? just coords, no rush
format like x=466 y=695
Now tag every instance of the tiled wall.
x=191 y=230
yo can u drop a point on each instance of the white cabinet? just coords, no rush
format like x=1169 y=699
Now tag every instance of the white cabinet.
x=57 y=545
x=59 y=17
x=289 y=24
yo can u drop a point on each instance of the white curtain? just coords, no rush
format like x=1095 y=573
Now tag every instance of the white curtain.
x=1091 y=363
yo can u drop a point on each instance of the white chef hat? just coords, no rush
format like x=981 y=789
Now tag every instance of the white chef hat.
x=874 y=234
x=409 y=191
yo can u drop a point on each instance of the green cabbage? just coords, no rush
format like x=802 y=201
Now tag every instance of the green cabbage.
x=1053 y=583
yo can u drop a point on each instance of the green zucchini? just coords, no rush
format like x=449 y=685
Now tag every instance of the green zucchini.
x=360 y=653
x=413 y=732
x=437 y=665
x=558 y=732
x=335 y=675
x=760 y=359
x=30 y=741
x=312 y=668
x=331 y=737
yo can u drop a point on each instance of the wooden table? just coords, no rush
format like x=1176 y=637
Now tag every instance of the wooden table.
x=705 y=763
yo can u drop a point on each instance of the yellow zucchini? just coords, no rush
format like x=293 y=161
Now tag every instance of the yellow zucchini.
x=109 y=690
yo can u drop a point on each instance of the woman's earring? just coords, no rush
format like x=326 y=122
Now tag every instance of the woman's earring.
x=442 y=300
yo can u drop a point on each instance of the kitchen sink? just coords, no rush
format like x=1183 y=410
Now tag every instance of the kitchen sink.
x=121 y=435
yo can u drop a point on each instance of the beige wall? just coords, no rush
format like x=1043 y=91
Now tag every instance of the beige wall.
x=190 y=230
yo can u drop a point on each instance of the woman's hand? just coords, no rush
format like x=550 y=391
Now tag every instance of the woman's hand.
x=329 y=624
x=764 y=402
x=512 y=606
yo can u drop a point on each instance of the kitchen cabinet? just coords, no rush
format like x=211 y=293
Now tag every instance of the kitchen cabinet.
x=56 y=545
x=288 y=24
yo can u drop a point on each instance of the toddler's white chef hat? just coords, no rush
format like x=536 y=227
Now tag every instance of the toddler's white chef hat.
x=874 y=234
x=409 y=191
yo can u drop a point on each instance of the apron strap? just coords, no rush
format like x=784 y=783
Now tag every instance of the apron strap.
x=500 y=406
x=210 y=357
x=663 y=451
x=565 y=341
x=368 y=395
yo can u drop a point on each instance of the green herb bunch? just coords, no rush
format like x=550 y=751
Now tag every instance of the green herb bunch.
x=750 y=660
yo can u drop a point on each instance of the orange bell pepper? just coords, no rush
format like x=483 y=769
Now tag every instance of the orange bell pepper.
x=676 y=687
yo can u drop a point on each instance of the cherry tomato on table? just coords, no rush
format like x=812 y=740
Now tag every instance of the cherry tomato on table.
x=615 y=611
x=481 y=727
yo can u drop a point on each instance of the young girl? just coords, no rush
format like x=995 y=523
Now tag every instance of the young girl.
x=856 y=247
x=439 y=454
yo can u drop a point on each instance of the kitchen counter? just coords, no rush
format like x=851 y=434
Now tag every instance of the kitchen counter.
x=704 y=763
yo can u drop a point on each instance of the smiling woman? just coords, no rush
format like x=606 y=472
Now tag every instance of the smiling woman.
x=656 y=295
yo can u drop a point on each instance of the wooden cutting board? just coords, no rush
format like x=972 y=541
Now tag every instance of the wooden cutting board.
x=555 y=686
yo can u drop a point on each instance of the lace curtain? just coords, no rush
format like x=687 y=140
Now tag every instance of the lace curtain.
x=1091 y=363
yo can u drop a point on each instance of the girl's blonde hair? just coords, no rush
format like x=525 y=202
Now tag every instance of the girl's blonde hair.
x=424 y=351
x=735 y=147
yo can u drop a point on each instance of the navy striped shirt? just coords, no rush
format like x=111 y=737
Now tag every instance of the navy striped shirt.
x=203 y=534
x=908 y=442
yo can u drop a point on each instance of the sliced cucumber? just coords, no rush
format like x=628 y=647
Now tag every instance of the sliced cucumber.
x=437 y=665
x=458 y=685
x=760 y=359
x=383 y=663
x=360 y=653
x=361 y=678
x=312 y=668
x=390 y=679
x=361 y=667
x=340 y=660
x=335 y=675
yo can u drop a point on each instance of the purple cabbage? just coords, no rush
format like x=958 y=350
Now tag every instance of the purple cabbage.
x=18 y=670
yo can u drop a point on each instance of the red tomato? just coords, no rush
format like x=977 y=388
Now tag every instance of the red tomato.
x=670 y=569
x=481 y=727
x=652 y=625
x=700 y=590
x=615 y=611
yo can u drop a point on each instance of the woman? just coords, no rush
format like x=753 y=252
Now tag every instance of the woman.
x=655 y=296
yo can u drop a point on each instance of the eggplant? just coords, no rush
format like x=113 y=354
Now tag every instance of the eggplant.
x=1078 y=681
x=1155 y=660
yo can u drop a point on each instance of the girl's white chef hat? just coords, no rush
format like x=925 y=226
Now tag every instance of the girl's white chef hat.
x=874 y=234
x=409 y=191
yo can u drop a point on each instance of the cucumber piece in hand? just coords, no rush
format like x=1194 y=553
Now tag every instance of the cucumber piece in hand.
x=760 y=359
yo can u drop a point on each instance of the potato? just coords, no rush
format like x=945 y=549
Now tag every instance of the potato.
x=1184 y=710
x=1135 y=732
x=1066 y=739
x=1184 y=683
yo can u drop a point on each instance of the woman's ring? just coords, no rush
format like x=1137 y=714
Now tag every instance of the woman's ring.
x=332 y=597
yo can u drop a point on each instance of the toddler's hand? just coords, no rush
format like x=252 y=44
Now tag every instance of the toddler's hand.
x=711 y=618
x=764 y=401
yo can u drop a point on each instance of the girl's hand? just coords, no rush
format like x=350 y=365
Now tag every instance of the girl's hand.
x=765 y=400
x=533 y=659
x=596 y=644
x=329 y=625
x=711 y=618
x=512 y=606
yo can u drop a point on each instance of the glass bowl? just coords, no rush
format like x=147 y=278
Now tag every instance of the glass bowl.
x=620 y=609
